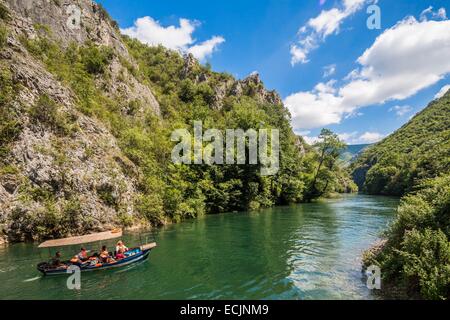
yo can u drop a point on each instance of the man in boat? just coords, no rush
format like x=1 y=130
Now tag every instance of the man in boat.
x=55 y=262
x=80 y=258
x=105 y=256
x=83 y=255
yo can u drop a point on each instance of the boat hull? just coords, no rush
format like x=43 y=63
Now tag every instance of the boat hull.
x=141 y=256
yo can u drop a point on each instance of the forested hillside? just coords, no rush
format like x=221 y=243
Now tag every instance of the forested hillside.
x=86 y=119
x=418 y=150
x=415 y=257
x=415 y=160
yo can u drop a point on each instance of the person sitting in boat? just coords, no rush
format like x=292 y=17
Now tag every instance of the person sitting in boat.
x=120 y=254
x=121 y=246
x=105 y=256
x=55 y=262
x=81 y=257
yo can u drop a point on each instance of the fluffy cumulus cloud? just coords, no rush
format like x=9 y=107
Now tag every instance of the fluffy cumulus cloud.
x=206 y=48
x=317 y=29
x=370 y=137
x=443 y=91
x=311 y=140
x=349 y=137
x=403 y=60
x=366 y=137
x=316 y=108
x=179 y=38
x=429 y=12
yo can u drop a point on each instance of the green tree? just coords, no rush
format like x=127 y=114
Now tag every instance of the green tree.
x=329 y=147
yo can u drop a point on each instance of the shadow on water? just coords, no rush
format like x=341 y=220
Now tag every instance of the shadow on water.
x=307 y=251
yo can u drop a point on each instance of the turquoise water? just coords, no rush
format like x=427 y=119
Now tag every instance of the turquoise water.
x=307 y=251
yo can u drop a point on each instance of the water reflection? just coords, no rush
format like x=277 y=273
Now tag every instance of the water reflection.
x=308 y=251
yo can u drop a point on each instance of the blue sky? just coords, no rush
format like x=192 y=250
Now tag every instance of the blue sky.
x=291 y=44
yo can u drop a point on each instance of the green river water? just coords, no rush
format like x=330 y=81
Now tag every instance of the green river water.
x=306 y=251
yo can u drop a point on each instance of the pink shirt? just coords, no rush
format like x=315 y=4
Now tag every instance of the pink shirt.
x=120 y=256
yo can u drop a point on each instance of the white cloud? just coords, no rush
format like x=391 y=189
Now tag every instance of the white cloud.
x=311 y=140
x=442 y=92
x=317 y=108
x=151 y=32
x=205 y=49
x=403 y=60
x=319 y=28
x=350 y=137
x=370 y=137
x=366 y=137
x=328 y=71
x=440 y=14
x=423 y=15
x=299 y=53
x=326 y=87
x=401 y=110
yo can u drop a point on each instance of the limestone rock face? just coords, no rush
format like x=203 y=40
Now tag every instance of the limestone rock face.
x=124 y=85
x=300 y=144
x=59 y=182
x=190 y=63
x=256 y=87
x=80 y=181
x=252 y=86
x=73 y=168
x=81 y=22
x=77 y=21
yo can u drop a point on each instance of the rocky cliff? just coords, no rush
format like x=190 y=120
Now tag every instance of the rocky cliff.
x=49 y=178
x=62 y=169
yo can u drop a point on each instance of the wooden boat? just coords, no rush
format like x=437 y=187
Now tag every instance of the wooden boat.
x=131 y=256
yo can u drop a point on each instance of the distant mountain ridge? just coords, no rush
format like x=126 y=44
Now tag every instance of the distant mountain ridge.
x=352 y=151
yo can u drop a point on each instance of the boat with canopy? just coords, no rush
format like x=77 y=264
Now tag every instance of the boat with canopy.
x=93 y=263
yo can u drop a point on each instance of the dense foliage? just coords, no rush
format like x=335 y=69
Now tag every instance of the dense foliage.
x=416 y=255
x=417 y=151
x=169 y=192
x=329 y=149
x=414 y=161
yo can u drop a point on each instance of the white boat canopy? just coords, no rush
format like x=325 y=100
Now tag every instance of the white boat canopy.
x=117 y=233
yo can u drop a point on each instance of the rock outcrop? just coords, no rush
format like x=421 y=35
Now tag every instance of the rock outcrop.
x=80 y=179
x=63 y=167
x=91 y=24
x=70 y=21
x=250 y=86
x=253 y=86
